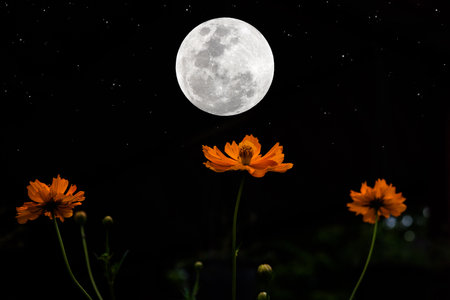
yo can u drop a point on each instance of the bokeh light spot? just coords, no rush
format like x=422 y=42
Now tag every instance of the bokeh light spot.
x=407 y=220
x=426 y=212
x=390 y=222
x=409 y=236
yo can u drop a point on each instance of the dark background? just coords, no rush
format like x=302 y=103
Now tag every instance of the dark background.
x=88 y=91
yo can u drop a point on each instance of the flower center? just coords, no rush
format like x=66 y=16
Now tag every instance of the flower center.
x=245 y=154
x=50 y=206
x=376 y=203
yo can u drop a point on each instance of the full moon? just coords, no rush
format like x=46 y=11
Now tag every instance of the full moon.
x=224 y=66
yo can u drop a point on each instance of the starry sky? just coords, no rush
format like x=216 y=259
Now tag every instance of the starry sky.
x=89 y=91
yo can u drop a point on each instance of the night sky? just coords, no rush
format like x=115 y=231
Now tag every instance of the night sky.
x=88 y=90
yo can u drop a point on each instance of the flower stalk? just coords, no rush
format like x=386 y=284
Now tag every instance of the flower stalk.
x=111 y=269
x=198 y=266
x=233 y=241
x=368 y=257
x=109 y=275
x=88 y=264
x=66 y=261
x=245 y=156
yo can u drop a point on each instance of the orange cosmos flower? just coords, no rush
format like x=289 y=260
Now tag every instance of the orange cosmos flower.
x=49 y=200
x=246 y=156
x=381 y=200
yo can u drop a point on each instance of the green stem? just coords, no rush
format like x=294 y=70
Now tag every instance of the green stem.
x=107 y=241
x=86 y=255
x=109 y=275
x=111 y=290
x=234 y=251
x=66 y=261
x=196 y=285
x=368 y=257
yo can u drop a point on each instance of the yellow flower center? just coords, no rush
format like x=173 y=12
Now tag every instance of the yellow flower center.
x=245 y=154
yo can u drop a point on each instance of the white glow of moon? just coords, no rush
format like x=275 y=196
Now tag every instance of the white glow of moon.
x=224 y=66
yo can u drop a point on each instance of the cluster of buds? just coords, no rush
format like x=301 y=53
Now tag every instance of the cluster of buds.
x=80 y=218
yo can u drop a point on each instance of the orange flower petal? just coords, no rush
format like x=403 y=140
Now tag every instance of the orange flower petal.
x=221 y=168
x=223 y=157
x=357 y=197
x=29 y=211
x=269 y=155
x=369 y=216
x=396 y=209
x=263 y=164
x=282 y=168
x=258 y=172
x=214 y=156
x=232 y=150
x=64 y=212
x=385 y=212
x=72 y=189
x=38 y=192
x=365 y=188
x=380 y=188
x=358 y=209
x=73 y=198
x=59 y=185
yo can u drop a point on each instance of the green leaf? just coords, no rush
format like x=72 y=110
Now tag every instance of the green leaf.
x=116 y=266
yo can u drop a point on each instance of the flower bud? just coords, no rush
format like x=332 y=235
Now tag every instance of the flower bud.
x=198 y=265
x=265 y=272
x=107 y=221
x=263 y=296
x=80 y=217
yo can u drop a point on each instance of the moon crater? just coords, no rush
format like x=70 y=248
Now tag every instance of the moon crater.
x=224 y=66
